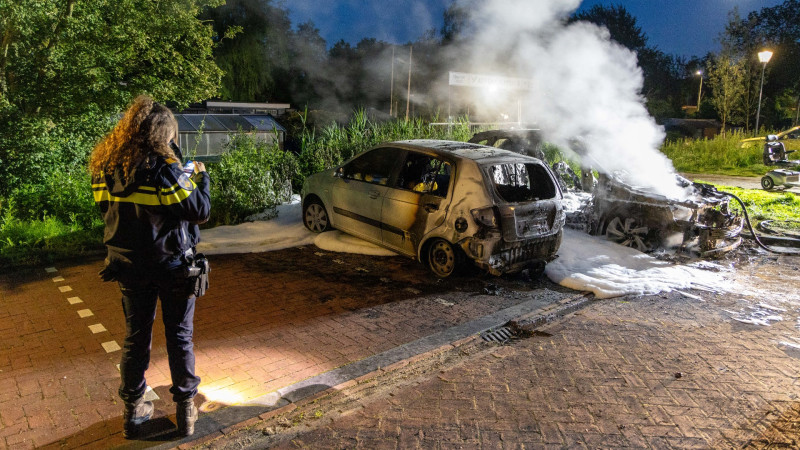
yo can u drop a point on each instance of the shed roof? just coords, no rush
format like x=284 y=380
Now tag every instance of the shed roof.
x=227 y=123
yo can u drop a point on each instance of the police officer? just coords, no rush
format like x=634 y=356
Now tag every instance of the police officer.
x=151 y=210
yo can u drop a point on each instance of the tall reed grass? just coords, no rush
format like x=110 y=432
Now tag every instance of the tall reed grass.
x=722 y=155
x=336 y=143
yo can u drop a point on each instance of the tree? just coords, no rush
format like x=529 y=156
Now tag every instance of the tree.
x=455 y=21
x=254 y=59
x=662 y=78
x=68 y=57
x=776 y=28
x=306 y=77
x=725 y=79
x=619 y=22
x=67 y=67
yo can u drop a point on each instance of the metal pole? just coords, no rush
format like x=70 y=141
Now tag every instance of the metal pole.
x=408 y=97
x=760 y=91
x=699 y=93
x=391 y=89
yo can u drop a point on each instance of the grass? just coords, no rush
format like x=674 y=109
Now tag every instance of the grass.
x=28 y=243
x=762 y=205
x=720 y=156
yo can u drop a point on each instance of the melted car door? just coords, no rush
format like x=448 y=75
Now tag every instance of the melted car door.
x=358 y=194
x=416 y=203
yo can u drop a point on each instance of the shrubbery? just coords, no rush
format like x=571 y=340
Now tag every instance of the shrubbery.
x=250 y=177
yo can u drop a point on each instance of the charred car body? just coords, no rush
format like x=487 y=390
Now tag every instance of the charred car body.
x=442 y=202
x=701 y=223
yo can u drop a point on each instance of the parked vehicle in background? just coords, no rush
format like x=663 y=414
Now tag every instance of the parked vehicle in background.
x=443 y=203
x=790 y=139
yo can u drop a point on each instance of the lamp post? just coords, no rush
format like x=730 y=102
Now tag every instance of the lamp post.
x=763 y=57
x=700 y=91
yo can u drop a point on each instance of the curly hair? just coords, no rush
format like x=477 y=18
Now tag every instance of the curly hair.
x=144 y=130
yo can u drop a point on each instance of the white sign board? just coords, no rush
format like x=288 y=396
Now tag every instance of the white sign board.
x=490 y=81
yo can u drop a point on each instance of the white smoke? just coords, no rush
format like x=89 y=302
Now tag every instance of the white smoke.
x=585 y=85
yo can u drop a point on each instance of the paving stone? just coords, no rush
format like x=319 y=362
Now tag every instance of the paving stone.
x=556 y=392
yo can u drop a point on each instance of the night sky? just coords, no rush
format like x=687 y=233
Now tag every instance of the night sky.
x=680 y=27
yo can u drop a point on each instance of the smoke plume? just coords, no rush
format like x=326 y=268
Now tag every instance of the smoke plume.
x=584 y=85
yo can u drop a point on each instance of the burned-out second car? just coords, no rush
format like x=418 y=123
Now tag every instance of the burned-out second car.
x=443 y=203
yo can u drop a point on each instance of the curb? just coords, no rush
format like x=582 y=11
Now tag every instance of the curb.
x=527 y=323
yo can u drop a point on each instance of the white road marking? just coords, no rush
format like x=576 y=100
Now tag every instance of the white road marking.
x=50 y=270
x=85 y=313
x=97 y=328
x=64 y=288
x=111 y=346
x=58 y=279
x=74 y=300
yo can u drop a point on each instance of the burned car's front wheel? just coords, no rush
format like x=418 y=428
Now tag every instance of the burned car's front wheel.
x=442 y=258
x=315 y=217
x=767 y=183
x=629 y=232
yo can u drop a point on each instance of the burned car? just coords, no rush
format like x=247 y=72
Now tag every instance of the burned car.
x=443 y=203
x=701 y=223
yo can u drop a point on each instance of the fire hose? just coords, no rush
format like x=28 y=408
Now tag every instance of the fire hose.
x=787 y=241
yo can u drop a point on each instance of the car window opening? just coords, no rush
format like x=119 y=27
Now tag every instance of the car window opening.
x=373 y=167
x=425 y=174
x=522 y=182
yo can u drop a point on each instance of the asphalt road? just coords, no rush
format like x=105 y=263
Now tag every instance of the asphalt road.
x=726 y=180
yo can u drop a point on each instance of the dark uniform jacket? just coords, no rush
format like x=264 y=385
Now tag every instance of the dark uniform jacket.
x=151 y=221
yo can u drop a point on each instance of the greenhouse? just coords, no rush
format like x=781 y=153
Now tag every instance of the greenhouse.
x=203 y=136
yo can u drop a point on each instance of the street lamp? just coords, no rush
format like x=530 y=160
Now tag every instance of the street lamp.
x=763 y=57
x=700 y=91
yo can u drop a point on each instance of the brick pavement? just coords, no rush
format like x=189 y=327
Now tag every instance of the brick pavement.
x=269 y=320
x=662 y=371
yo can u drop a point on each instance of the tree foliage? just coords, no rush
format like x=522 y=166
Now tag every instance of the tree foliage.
x=67 y=67
x=620 y=24
x=68 y=57
x=663 y=77
x=253 y=58
x=775 y=28
x=725 y=76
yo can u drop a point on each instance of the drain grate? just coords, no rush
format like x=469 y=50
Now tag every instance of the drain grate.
x=500 y=335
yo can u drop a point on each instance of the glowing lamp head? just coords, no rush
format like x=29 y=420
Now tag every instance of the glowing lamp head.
x=764 y=56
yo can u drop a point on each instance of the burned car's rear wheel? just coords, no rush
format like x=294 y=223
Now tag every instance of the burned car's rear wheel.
x=315 y=217
x=628 y=232
x=442 y=258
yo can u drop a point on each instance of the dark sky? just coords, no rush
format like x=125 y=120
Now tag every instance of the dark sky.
x=680 y=27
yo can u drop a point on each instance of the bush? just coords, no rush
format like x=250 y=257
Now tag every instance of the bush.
x=64 y=196
x=251 y=176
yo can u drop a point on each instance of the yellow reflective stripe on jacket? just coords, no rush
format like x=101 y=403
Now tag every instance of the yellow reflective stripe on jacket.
x=176 y=194
x=101 y=194
x=151 y=197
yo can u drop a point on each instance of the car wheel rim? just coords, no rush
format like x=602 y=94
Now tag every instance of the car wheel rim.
x=628 y=233
x=316 y=218
x=442 y=258
x=766 y=183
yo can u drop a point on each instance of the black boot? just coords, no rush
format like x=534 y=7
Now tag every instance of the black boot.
x=186 y=415
x=136 y=413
